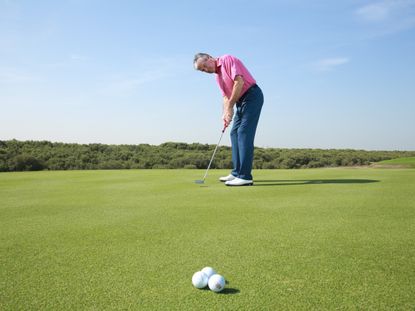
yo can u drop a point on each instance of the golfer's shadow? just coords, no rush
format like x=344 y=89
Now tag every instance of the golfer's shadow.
x=293 y=182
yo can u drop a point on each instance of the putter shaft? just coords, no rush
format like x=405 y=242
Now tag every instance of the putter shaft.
x=211 y=159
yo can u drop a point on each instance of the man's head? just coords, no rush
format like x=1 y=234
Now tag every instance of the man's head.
x=204 y=62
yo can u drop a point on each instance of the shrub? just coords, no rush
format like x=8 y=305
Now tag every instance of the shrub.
x=25 y=162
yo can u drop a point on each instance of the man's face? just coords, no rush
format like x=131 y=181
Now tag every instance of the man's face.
x=207 y=65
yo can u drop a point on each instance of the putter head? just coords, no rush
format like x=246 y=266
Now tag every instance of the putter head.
x=199 y=181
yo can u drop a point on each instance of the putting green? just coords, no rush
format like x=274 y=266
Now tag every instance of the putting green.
x=132 y=239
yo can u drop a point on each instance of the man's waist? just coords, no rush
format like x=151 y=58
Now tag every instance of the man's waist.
x=251 y=88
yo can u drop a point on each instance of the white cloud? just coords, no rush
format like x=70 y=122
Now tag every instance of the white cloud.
x=122 y=84
x=328 y=64
x=375 y=11
x=391 y=15
x=148 y=71
x=385 y=10
x=77 y=57
x=10 y=75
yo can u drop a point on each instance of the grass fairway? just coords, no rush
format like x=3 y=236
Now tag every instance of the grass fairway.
x=318 y=239
x=402 y=162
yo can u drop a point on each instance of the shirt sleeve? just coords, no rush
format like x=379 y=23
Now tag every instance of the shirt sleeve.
x=235 y=67
x=220 y=85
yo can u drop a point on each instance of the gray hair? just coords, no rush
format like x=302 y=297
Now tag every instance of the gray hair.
x=200 y=55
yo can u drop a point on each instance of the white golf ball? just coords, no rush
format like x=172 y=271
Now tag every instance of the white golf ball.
x=199 y=279
x=209 y=271
x=216 y=283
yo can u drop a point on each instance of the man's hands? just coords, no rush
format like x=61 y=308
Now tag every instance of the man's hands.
x=227 y=114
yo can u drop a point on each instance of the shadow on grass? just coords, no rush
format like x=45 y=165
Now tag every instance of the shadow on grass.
x=225 y=291
x=229 y=291
x=267 y=182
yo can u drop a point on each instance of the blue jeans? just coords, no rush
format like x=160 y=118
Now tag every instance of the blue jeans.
x=248 y=110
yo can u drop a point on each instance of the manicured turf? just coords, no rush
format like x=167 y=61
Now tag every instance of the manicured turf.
x=298 y=240
x=406 y=162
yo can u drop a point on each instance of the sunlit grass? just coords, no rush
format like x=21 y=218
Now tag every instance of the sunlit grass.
x=297 y=240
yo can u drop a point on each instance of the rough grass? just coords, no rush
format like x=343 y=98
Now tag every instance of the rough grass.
x=130 y=240
x=403 y=162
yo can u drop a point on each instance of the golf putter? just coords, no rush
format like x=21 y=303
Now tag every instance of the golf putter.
x=202 y=181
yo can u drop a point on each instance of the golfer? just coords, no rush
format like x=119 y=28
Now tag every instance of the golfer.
x=239 y=89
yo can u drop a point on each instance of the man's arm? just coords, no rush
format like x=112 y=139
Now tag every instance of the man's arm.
x=228 y=103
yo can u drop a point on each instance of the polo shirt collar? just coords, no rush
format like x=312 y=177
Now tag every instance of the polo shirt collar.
x=218 y=63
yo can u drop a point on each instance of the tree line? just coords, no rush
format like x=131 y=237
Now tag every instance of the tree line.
x=44 y=155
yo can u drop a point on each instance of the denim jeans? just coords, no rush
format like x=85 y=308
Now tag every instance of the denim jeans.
x=248 y=110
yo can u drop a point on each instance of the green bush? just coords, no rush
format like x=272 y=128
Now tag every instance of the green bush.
x=25 y=162
x=37 y=155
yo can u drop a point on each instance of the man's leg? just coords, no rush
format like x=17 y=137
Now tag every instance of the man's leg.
x=251 y=110
x=234 y=141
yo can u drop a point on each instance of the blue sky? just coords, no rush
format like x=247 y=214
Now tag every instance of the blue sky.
x=335 y=74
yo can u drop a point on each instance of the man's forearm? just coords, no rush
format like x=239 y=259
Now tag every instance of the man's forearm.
x=225 y=103
x=228 y=103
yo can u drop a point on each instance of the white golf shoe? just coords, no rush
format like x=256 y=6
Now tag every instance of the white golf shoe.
x=239 y=182
x=227 y=178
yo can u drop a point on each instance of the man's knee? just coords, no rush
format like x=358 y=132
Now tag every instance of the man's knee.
x=246 y=134
x=234 y=131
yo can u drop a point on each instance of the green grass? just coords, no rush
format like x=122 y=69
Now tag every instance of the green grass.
x=320 y=239
x=404 y=162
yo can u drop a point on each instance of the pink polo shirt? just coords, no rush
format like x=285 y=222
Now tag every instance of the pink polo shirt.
x=228 y=68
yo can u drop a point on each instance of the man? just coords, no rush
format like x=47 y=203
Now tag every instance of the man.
x=238 y=88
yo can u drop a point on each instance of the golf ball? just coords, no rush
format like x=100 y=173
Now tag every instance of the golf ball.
x=216 y=283
x=199 y=279
x=209 y=271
